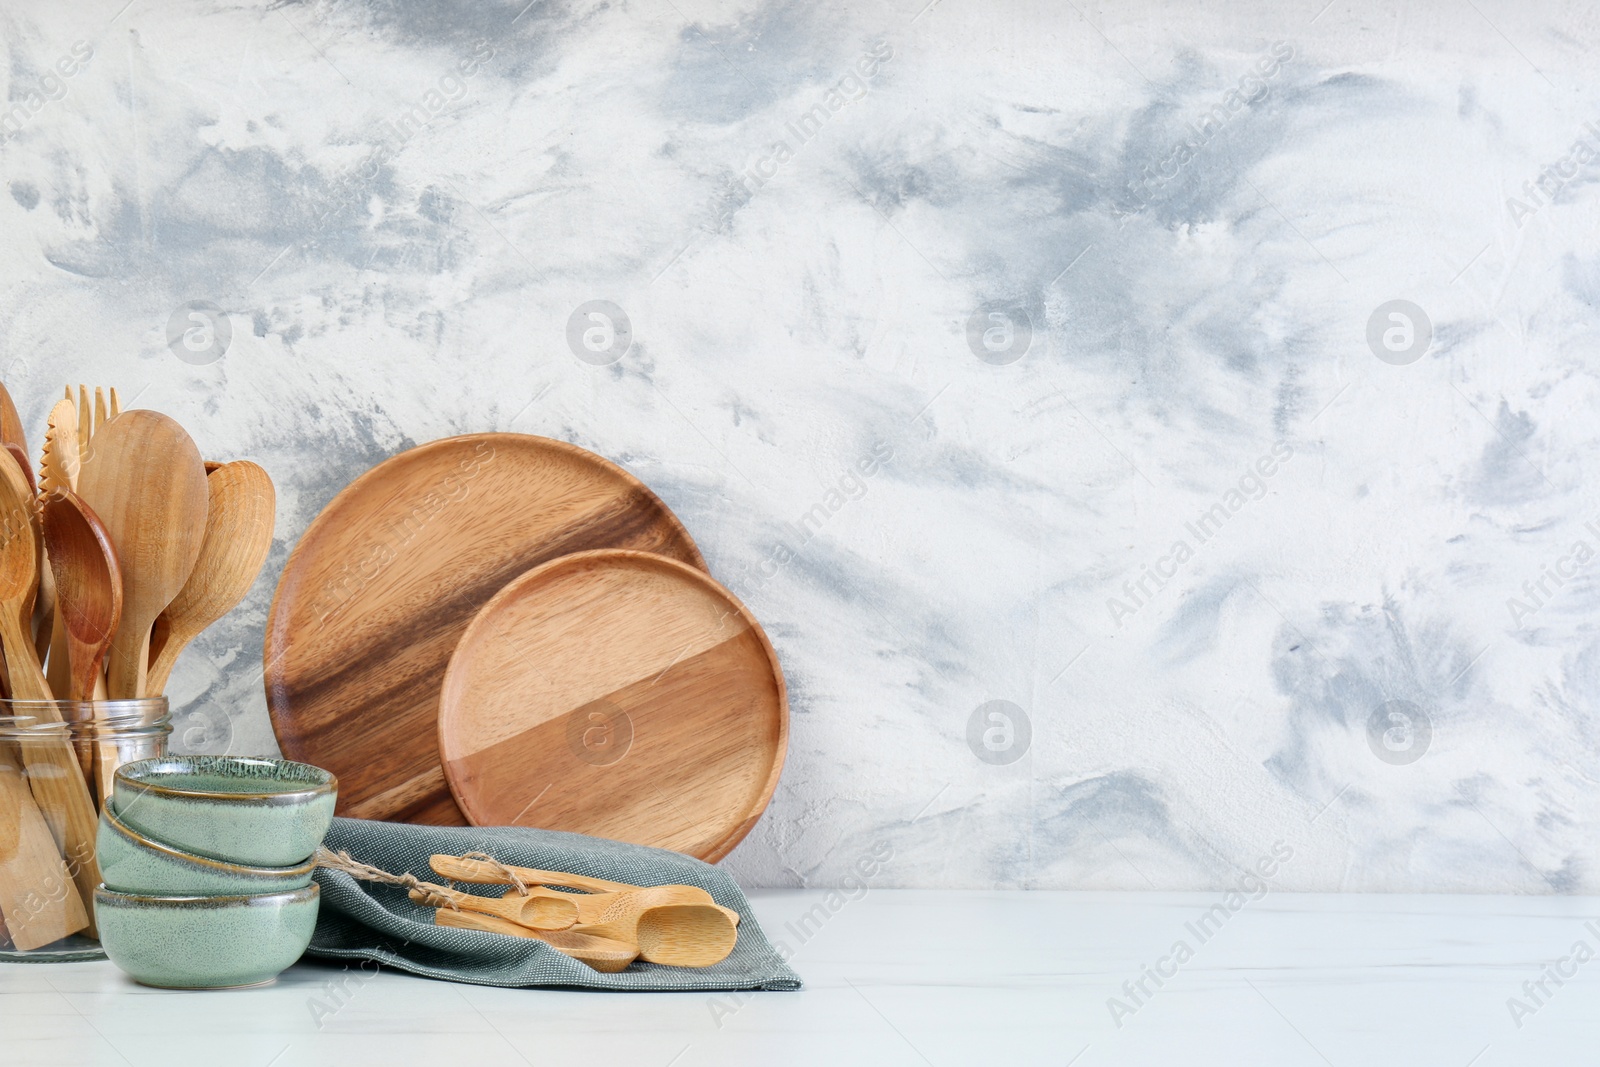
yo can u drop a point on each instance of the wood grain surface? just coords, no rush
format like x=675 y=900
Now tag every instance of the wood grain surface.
x=384 y=581
x=620 y=694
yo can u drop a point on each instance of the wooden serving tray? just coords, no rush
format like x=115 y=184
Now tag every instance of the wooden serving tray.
x=378 y=591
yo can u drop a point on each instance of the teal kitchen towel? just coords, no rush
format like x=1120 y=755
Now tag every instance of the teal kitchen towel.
x=372 y=921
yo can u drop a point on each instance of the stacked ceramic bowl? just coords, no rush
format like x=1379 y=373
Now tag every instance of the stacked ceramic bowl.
x=207 y=862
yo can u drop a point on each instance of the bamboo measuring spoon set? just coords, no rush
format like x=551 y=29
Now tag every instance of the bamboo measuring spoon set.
x=606 y=925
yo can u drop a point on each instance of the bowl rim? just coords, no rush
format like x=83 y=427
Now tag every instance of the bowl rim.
x=119 y=826
x=124 y=777
x=214 y=900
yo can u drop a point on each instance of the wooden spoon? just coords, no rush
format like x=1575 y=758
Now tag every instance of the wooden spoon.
x=601 y=953
x=666 y=928
x=11 y=432
x=144 y=477
x=237 y=539
x=54 y=775
x=88 y=585
x=534 y=912
x=89 y=593
x=20 y=454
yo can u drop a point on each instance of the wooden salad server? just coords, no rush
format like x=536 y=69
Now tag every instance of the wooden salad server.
x=603 y=954
x=144 y=477
x=238 y=536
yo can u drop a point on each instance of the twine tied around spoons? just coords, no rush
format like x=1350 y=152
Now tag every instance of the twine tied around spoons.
x=545 y=911
x=434 y=896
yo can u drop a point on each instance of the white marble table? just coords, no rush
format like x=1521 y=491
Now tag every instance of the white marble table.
x=923 y=977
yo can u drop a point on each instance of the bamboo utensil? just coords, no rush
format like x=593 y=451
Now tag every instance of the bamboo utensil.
x=20 y=454
x=54 y=775
x=672 y=924
x=144 y=478
x=679 y=935
x=551 y=911
x=88 y=585
x=667 y=924
x=90 y=419
x=11 y=431
x=89 y=592
x=604 y=955
x=85 y=416
x=485 y=872
x=59 y=460
x=481 y=872
x=238 y=535
x=38 y=897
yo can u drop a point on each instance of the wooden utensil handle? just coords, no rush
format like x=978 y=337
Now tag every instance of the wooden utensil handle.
x=55 y=778
x=55 y=775
x=478 y=872
x=557 y=911
x=600 y=953
x=38 y=895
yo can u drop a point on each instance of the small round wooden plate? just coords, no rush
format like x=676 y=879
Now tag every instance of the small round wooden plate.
x=620 y=694
x=385 y=580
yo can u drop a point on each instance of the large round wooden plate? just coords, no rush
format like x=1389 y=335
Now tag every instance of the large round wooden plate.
x=619 y=694
x=381 y=586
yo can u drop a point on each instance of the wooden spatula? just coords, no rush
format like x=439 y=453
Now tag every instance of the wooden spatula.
x=54 y=775
x=601 y=953
x=144 y=477
x=237 y=539
x=38 y=894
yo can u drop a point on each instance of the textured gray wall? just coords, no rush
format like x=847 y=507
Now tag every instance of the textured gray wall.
x=1251 y=553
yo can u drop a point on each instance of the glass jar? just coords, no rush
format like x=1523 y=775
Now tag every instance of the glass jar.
x=57 y=759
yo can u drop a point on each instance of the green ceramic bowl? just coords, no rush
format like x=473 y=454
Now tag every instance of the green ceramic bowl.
x=260 y=812
x=130 y=862
x=205 y=942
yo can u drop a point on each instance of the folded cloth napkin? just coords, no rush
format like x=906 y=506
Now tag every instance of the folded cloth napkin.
x=371 y=921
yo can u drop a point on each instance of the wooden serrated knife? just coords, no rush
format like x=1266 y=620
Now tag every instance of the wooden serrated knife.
x=58 y=469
